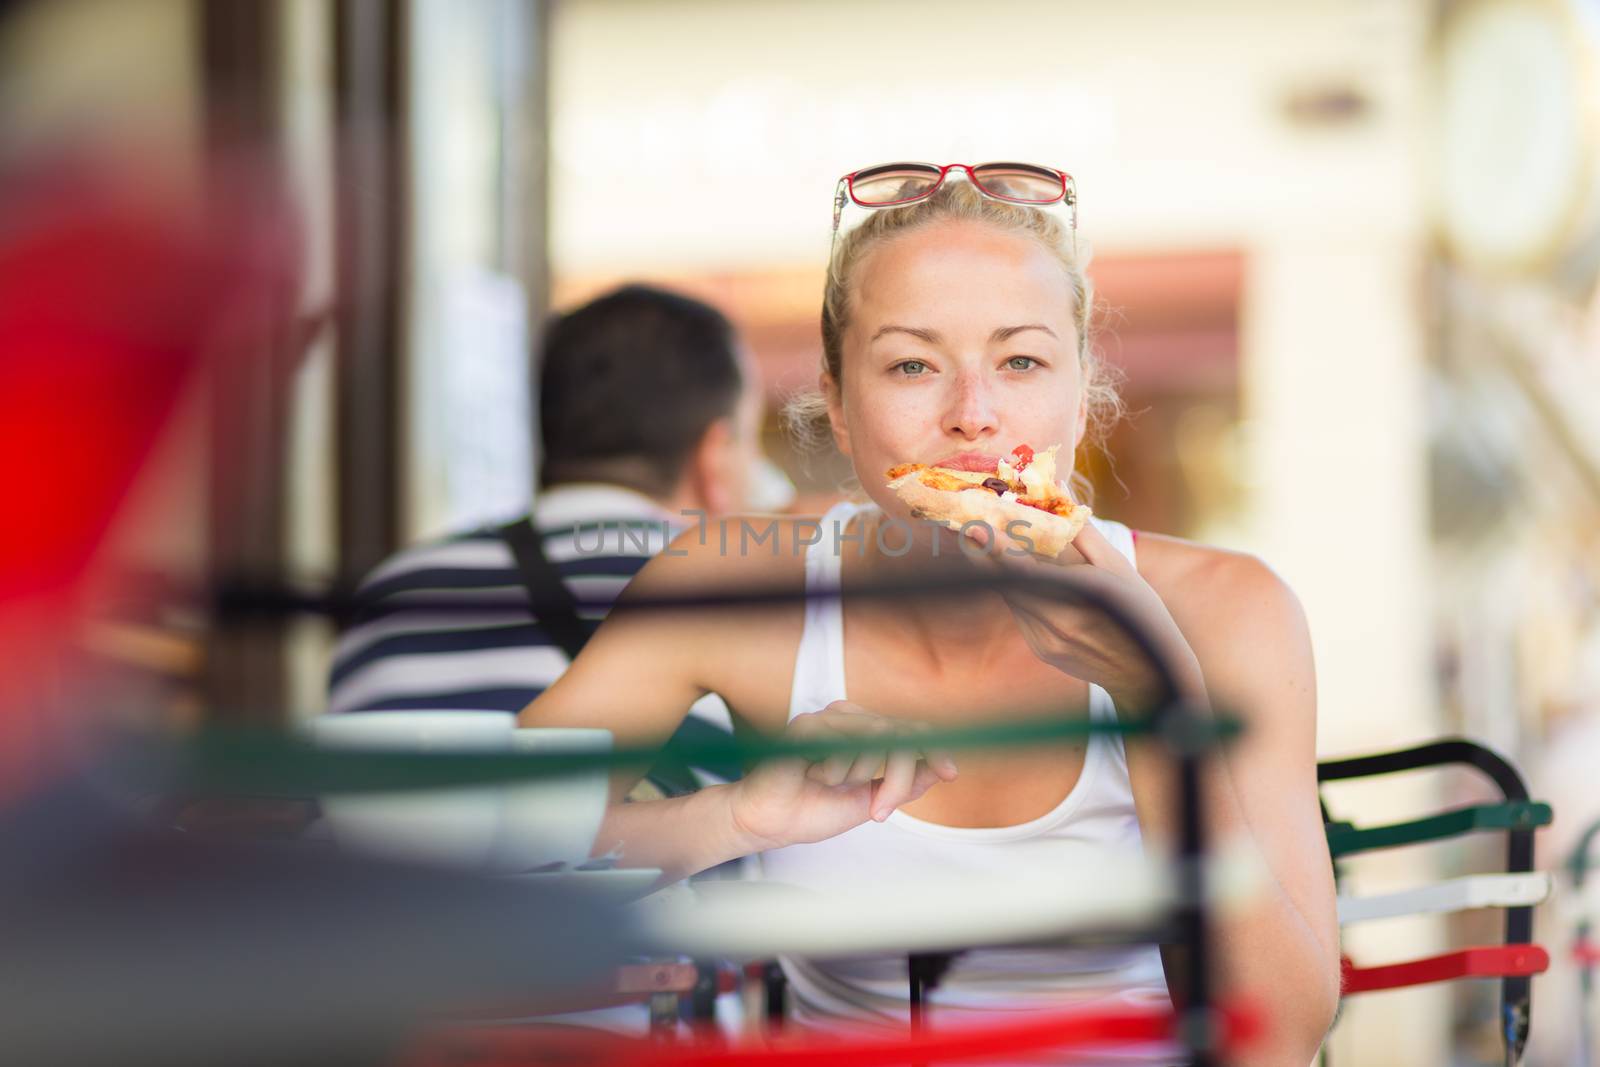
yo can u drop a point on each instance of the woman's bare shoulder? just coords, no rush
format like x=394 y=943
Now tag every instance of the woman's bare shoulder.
x=1195 y=576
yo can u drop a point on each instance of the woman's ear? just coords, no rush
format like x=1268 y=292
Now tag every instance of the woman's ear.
x=831 y=393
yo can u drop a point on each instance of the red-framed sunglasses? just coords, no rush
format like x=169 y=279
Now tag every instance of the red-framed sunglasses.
x=897 y=184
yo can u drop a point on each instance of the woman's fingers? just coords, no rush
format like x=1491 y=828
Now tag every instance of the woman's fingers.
x=926 y=778
x=867 y=767
x=814 y=726
x=1099 y=552
x=833 y=770
x=872 y=763
x=888 y=798
x=906 y=772
x=941 y=762
x=837 y=722
x=898 y=779
x=843 y=721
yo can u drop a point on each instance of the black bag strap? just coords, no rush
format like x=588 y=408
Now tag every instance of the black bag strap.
x=556 y=610
x=553 y=604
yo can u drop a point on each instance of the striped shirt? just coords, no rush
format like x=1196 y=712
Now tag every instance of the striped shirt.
x=448 y=624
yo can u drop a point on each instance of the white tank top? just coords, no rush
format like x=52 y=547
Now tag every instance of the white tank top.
x=1098 y=813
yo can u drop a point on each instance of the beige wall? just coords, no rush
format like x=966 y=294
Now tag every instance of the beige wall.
x=677 y=125
x=132 y=73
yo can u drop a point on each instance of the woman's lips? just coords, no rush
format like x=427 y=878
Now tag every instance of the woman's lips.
x=970 y=461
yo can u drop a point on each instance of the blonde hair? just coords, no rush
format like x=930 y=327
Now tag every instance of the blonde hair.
x=807 y=414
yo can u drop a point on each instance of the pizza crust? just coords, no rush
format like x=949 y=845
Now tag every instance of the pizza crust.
x=1040 y=531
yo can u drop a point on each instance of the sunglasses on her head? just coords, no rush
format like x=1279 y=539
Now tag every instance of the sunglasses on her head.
x=898 y=184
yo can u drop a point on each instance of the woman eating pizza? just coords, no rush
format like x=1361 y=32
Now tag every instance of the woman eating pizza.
x=959 y=379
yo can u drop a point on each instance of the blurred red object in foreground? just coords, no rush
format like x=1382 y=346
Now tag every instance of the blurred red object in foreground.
x=112 y=297
x=1058 y=1034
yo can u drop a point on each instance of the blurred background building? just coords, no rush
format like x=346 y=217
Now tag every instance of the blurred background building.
x=1346 y=252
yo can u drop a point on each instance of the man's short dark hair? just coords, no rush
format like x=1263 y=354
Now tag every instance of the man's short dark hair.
x=629 y=383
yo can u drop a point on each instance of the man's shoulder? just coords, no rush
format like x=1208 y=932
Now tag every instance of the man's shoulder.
x=447 y=622
x=481 y=558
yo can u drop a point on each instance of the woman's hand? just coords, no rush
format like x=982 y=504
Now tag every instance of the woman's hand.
x=1081 y=639
x=797 y=801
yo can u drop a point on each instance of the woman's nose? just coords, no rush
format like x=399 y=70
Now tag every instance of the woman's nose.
x=971 y=412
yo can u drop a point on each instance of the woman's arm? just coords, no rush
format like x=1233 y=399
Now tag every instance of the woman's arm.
x=1252 y=648
x=637 y=677
x=679 y=835
x=640 y=672
x=1236 y=639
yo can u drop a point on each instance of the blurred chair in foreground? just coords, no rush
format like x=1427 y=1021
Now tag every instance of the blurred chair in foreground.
x=130 y=943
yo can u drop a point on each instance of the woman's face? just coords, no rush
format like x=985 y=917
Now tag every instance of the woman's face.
x=960 y=347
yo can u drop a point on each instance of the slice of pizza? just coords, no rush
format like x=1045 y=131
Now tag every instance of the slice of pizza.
x=1021 y=498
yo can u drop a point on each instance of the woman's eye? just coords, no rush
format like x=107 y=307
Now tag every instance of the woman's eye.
x=1021 y=363
x=911 y=367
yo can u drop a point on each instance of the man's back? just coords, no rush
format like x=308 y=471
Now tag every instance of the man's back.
x=447 y=625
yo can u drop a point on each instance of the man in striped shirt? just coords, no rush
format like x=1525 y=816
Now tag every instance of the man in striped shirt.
x=648 y=408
